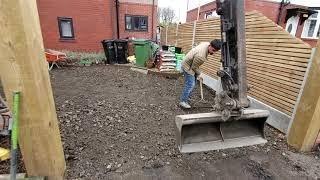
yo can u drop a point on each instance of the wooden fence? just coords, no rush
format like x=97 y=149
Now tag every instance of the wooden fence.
x=277 y=61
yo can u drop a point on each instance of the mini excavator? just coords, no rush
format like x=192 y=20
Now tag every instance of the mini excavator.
x=232 y=123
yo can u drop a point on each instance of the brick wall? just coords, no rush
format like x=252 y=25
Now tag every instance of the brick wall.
x=138 y=9
x=140 y=1
x=192 y=15
x=268 y=8
x=91 y=20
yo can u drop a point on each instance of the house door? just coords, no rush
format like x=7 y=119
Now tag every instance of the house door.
x=292 y=25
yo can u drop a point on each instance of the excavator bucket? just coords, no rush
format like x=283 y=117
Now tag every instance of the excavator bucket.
x=207 y=131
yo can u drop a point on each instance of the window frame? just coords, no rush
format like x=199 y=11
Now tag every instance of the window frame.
x=304 y=33
x=208 y=15
x=60 y=19
x=132 y=23
x=211 y=14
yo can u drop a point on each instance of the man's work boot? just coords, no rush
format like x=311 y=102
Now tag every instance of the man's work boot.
x=185 y=105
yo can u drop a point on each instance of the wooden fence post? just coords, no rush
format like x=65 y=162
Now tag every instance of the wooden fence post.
x=166 y=35
x=305 y=125
x=177 y=28
x=194 y=33
x=23 y=68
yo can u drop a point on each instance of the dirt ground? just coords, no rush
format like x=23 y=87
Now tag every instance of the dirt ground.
x=119 y=124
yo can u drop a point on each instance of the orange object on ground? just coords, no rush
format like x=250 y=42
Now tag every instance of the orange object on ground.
x=54 y=57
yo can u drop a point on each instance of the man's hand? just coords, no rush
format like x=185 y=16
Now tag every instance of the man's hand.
x=199 y=78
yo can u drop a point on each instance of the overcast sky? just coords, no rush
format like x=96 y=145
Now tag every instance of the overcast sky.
x=181 y=5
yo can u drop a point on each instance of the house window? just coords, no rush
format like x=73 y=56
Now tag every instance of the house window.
x=289 y=28
x=136 y=23
x=292 y=25
x=208 y=15
x=211 y=14
x=311 y=26
x=65 y=28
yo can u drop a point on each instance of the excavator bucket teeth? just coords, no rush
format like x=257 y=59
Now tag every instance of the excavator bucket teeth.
x=207 y=131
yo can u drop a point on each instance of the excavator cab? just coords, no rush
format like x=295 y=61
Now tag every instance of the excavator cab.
x=232 y=123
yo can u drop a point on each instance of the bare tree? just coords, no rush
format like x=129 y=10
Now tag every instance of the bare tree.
x=166 y=15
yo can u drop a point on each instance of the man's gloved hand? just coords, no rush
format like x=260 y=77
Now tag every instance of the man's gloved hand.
x=199 y=78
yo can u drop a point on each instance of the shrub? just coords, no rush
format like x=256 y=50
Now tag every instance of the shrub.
x=92 y=57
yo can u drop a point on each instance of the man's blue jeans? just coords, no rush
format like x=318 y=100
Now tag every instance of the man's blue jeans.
x=189 y=83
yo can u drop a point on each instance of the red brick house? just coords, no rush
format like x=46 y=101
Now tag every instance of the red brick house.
x=303 y=22
x=80 y=25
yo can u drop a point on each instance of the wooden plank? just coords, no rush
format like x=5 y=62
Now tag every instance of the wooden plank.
x=261 y=29
x=23 y=68
x=280 y=55
x=207 y=33
x=262 y=19
x=259 y=21
x=206 y=20
x=253 y=13
x=211 y=64
x=279 y=44
x=269 y=36
x=205 y=26
x=275 y=92
x=278 y=98
x=277 y=32
x=306 y=52
x=272 y=68
x=282 y=41
x=270 y=103
x=278 y=62
x=256 y=18
x=259 y=26
x=261 y=69
x=292 y=61
x=266 y=72
x=271 y=79
x=304 y=57
x=291 y=41
x=305 y=125
x=274 y=100
x=279 y=87
x=211 y=69
x=275 y=82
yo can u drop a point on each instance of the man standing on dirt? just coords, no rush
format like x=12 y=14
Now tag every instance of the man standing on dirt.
x=190 y=67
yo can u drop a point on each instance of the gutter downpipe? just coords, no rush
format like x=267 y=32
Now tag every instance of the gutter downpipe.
x=117 y=16
x=199 y=6
x=282 y=4
x=152 y=28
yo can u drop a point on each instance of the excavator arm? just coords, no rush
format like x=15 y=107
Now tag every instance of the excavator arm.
x=233 y=76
